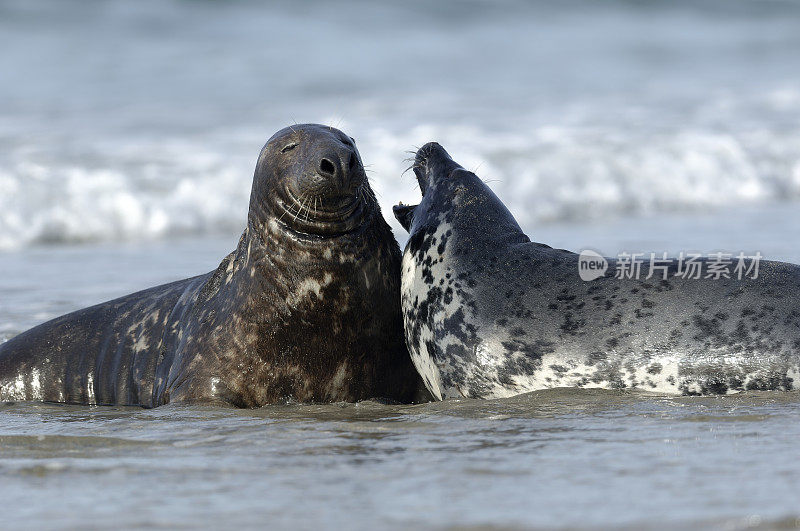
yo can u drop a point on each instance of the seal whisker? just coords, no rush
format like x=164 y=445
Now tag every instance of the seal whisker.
x=290 y=208
x=287 y=207
x=283 y=214
x=301 y=211
x=373 y=194
x=366 y=193
x=308 y=208
x=300 y=207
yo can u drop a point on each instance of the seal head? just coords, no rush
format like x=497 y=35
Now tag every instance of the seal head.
x=431 y=164
x=310 y=178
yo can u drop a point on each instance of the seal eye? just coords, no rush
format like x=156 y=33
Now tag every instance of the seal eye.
x=288 y=147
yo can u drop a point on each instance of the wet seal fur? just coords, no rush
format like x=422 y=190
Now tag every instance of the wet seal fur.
x=305 y=308
x=488 y=313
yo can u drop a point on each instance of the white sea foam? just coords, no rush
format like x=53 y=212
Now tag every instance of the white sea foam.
x=545 y=173
x=111 y=131
x=166 y=189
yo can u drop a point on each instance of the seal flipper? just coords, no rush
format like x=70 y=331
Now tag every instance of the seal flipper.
x=404 y=214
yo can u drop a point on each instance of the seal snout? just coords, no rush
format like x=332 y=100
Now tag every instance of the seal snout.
x=430 y=163
x=339 y=166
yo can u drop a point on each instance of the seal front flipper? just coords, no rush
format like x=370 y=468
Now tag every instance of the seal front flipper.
x=404 y=214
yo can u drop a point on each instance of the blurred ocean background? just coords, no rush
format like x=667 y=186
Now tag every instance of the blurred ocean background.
x=129 y=120
x=129 y=133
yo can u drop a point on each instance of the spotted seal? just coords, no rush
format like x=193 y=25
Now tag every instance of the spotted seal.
x=489 y=313
x=306 y=307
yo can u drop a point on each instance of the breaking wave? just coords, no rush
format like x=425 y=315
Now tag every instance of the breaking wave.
x=146 y=190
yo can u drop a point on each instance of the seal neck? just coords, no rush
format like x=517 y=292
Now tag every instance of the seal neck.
x=265 y=245
x=469 y=207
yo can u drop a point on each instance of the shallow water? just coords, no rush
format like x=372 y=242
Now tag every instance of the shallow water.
x=130 y=131
x=559 y=458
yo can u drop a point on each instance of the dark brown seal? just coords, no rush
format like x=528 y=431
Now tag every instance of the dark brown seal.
x=306 y=308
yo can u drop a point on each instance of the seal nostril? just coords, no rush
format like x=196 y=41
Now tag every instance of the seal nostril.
x=352 y=162
x=327 y=167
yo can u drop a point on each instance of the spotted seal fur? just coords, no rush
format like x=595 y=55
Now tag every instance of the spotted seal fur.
x=489 y=313
x=305 y=308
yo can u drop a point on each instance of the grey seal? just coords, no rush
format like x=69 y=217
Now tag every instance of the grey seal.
x=488 y=313
x=306 y=308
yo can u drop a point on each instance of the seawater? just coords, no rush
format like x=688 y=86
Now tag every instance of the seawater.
x=562 y=458
x=130 y=132
x=552 y=459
